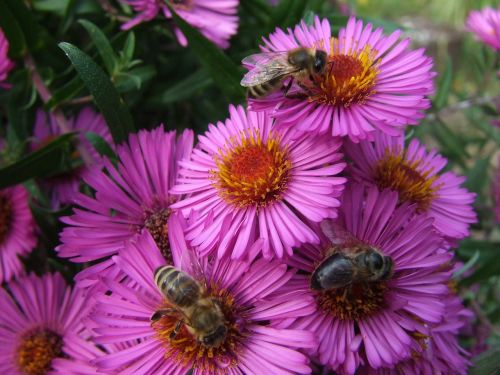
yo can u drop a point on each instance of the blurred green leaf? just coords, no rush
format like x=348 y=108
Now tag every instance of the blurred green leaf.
x=106 y=97
x=41 y=163
x=288 y=13
x=32 y=31
x=185 y=88
x=101 y=146
x=129 y=48
x=478 y=174
x=134 y=78
x=102 y=44
x=451 y=144
x=69 y=91
x=487 y=265
x=226 y=74
x=444 y=86
x=487 y=363
x=13 y=32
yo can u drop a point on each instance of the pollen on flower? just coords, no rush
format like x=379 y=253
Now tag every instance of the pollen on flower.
x=5 y=216
x=185 y=349
x=353 y=302
x=413 y=183
x=349 y=78
x=37 y=350
x=156 y=223
x=252 y=171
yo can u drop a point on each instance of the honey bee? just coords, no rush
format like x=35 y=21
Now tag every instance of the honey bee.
x=200 y=313
x=349 y=262
x=272 y=68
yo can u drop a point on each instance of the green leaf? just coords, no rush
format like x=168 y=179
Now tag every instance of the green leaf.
x=69 y=91
x=184 y=89
x=45 y=161
x=226 y=74
x=134 y=78
x=288 y=13
x=444 y=86
x=13 y=32
x=32 y=31
x=487 y=265
x=129 y=47
x=101 y=146
x=102 y=44
x=478 y=174
x=487 y=363
x=105 y=95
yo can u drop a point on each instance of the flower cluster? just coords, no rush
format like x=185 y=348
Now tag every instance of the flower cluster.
x=301 y=231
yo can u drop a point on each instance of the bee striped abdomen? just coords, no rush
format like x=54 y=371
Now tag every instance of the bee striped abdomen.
x=263 y=89
x=179 y=288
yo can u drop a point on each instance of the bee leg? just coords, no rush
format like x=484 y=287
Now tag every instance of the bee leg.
x=176 y=330
x=158 y=314
x=287 y=88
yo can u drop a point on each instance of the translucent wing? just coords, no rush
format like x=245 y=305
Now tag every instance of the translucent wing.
x=337 y=234
x=266 y=67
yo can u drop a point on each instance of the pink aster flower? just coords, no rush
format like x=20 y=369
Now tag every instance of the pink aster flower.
x=217 y=20
x=377 y=323
x=485 y=24
x=17 y=230
x=442 y=353
x=415 y=174
x=372 y=82
x=247 y=181
x=495 y=190
x=252 y=344
x=128 y=198
x=63 y=187
x=41 y=330
x=6 y=64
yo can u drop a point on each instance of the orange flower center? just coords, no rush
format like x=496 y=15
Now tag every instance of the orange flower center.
x=156 y=223
x=185 y=349
x=353 y=302
x=37 y=350
x=5 y=216
x=409 y=178
x=251 y=171
x=349 y=78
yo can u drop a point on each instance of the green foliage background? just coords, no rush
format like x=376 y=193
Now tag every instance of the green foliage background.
x=141 y=78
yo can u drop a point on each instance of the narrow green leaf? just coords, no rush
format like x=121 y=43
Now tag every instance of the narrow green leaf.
x=444 y=86
x=487 y=363
x=225 y=73
x=102 y=44
x=106 y=97
x=101 y=146
x=45 y=161
x=129 y=47
x=478 y=174
x=134 y=78
x=288 y=13
x=33 y=32
x=185 y=88
x=13 y=32
x=69 y=91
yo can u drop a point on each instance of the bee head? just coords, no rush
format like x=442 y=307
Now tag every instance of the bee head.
x=379 y=264
x=320 y=61
x=215 y=338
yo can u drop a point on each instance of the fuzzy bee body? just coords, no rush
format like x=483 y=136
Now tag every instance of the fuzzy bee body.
x=270 y=69
x=348 y=262
x=201 y=313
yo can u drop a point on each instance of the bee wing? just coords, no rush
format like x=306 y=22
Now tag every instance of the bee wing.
x=267 y=66
x=336 y=233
